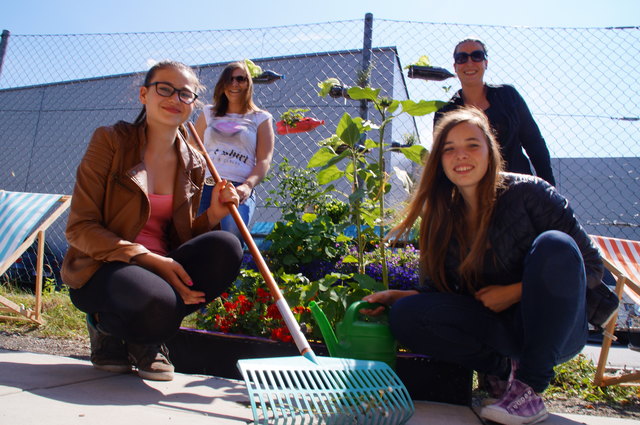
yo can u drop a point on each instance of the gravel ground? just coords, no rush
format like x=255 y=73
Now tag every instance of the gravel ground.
x=80 y=349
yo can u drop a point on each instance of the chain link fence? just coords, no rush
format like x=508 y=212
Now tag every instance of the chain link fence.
x=581 y=84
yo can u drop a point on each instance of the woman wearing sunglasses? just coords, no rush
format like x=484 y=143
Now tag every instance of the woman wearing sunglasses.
x=239 y=139
x=140 y=258
x=507 y=111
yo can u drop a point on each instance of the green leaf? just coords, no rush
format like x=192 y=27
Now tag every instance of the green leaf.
x=365 y=125
x=393 y=107
x=422 y=61
x=349 y=259
x=370 y=144
x=254 y=69
x=321 y=157
x=290 y=259
x=423 y=107
x=337 y=158
x=367 y=282
x=329 y=174
x=367 y=93
x=309 y=217
x=325 y=86
x=358 y=195
x=414 y=153
x=343 y=238
x=349 y=171
x=369 y=217
x=348 y=130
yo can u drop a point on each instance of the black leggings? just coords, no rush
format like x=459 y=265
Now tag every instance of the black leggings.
x=139 y=306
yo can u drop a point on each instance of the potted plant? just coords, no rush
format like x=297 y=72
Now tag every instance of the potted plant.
x=334 y=88
x=294 y=121
x=423 y=70
x=262 y=77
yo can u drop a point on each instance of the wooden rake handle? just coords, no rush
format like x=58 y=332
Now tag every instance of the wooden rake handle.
x=281 y=303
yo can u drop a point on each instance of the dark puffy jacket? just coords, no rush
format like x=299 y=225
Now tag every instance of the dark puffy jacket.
x=515 y=129
x=527 y=207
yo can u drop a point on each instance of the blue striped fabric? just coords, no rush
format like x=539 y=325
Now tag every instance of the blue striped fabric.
x=20 y=212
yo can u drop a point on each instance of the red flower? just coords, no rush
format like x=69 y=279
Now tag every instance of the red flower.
x=301 y=309
x=223 y=323
x=263 y=296
x=281 y=334
x=273 y=312
x=230 y=307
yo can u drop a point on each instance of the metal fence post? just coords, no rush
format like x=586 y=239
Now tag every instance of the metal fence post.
x=3 y=47
x=366 y=61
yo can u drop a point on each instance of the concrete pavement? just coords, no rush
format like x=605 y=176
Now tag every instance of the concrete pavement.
x=40 y=388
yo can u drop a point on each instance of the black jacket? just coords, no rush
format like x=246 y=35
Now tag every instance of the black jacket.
x=527 y=207
x=515 y=129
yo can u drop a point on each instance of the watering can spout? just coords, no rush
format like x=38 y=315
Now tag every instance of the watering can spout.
x=325 y=327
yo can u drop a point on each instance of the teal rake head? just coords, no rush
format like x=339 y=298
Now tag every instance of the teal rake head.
x=335 y=391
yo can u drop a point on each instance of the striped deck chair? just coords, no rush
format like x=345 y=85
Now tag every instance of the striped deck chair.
x=622 y=259
x=23 y=218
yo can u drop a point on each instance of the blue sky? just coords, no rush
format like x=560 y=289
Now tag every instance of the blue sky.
x=77 y=17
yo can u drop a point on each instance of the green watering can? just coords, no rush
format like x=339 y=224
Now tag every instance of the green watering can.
x=357 y=338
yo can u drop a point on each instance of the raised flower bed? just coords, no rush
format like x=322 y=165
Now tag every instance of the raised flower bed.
x=248 y=308
x=216 y=354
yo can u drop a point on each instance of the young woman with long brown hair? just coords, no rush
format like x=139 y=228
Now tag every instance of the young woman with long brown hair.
x=140 y=257
x=504 y=270
x=239 y=139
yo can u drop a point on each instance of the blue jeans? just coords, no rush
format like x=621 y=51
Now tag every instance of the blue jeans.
x=547 y=327
x=246 y=210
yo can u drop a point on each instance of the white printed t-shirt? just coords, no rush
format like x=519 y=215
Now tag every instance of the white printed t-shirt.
x=231 y=142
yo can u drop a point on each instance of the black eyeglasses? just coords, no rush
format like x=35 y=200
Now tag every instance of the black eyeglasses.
x=239 y=78
x=167 y=90
x=463 y=57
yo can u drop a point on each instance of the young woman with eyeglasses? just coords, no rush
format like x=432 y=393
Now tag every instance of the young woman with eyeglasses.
x=507 y=111
x=140 y=257
x=504 y=270
x=239 y=139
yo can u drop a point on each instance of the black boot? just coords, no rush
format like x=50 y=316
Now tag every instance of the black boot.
x=107 y=352
x=152 y=361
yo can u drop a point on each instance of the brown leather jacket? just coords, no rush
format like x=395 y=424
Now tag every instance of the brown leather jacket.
x=110 y=203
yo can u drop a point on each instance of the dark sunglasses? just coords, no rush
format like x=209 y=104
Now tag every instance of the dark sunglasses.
x=167 y=90
x=463 y=57
x=238 y=78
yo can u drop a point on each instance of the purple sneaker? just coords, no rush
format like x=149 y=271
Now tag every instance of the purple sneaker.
x=495 y=386
x=519 y=405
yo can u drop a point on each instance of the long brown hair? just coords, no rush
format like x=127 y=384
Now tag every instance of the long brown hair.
x=220 y=101
x=439 y=204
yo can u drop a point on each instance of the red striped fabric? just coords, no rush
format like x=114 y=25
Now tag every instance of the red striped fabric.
x=625 y=255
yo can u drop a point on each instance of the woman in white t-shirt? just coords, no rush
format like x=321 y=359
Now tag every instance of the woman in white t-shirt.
x=239 y=139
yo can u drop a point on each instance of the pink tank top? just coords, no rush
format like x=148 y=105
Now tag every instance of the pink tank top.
x=154 y=233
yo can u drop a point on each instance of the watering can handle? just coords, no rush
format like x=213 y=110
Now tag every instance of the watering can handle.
x=354 y=309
